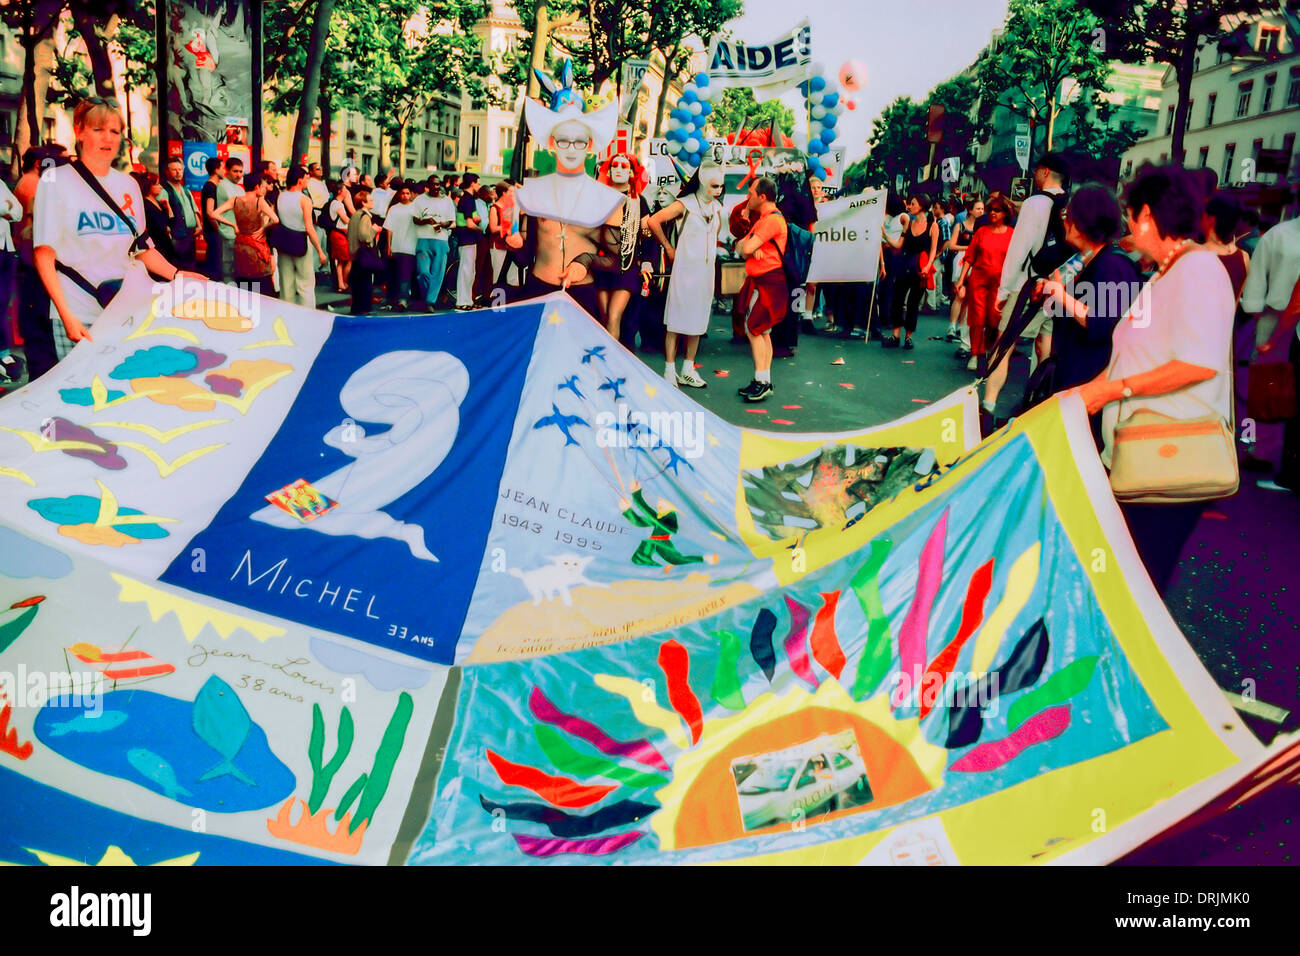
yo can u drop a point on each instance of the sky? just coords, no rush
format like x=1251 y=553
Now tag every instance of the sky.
x=908 y=46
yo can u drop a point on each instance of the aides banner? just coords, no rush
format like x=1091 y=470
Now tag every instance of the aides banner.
x=770 y=68
x=847 y=243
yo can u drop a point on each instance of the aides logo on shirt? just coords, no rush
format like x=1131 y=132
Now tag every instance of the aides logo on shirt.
x=98 y=222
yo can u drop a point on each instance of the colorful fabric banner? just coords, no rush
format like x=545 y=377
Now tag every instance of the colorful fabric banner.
x=283 y=586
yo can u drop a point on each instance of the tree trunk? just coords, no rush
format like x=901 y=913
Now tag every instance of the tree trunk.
x=662 y=110
x=311 y=82
x=1183 y=69
x=97 y=52
x=401 y=146
x=326 y=131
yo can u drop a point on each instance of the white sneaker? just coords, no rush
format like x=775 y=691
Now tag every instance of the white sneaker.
x=688 y=376
x=670 y=375
x=973 y=364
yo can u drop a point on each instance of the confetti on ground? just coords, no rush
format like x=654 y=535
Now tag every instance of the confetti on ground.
x=720 y=372
x=838 y=361
x=790 y=407
x=846 y=384
x=921 y=401
x=1216 y=515
x=909 y=361
x=757 y=411
x=782 y=421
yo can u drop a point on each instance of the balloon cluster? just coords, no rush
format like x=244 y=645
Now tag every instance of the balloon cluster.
x=826 y=102
x=686 y=140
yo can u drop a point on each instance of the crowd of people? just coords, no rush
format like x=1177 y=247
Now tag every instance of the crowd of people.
x=1130 y=301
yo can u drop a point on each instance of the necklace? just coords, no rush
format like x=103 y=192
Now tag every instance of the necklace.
x=630 y=231
x=577 y=204
x=1173 y=256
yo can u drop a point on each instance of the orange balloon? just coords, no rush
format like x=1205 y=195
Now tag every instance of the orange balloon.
x=853 y=75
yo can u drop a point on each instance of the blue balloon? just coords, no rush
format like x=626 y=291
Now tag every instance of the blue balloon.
x=828 y=121
x=816 y=147
x=817 y=83
x=689 y=96
x=706 y=109
x=701 y=79
x=830 y=99
x=678 y=134
x=828 y=136
x=699 y=122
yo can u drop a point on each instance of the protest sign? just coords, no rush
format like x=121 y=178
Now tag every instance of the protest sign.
x=846 y=246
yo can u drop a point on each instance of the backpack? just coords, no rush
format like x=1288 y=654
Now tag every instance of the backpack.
x=797 y=257
x=1055 y=250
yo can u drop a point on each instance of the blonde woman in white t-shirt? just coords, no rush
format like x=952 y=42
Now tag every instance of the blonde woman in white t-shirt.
x=1172 y=351
x=72 y=226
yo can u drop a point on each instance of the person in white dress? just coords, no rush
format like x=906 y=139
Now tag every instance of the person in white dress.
x=690 y=289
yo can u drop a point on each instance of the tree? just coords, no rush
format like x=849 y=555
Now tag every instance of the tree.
x=34 y=20
x=737 y=109
x=964 y=122
x=897 y=143
x=433 y=51
x=1043 y=43
x=1167 y=31
x=320 y=29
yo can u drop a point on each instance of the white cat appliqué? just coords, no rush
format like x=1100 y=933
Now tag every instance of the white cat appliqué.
x=551 y=580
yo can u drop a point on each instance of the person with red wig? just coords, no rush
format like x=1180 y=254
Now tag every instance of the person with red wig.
x=619 y=276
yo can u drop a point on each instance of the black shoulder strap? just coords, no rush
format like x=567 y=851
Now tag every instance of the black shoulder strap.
x=93 y=182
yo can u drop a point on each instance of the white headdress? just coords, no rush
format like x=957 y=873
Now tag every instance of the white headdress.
x=567 y=104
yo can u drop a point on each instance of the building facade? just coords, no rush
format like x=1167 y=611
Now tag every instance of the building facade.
x=1244 y=110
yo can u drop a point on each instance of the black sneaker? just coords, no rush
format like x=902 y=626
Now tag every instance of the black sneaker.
x=748 y=389
x=857 y=334
x=889 y=342
x=908 y=343
x=763 y=390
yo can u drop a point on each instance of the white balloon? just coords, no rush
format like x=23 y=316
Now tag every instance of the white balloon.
x=694 y=108
x=838 y=108
x=693 y=145
x=818 y=111
x=674 y=147
x=818 y=69
x=816 y=98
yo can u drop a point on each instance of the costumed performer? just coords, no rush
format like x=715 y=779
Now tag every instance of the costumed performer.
x=690 y=290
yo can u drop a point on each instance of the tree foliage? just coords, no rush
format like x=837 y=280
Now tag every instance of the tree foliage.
x=737 y=109
x=621 y=30
x=388 y=60
x=896 y=144
x=1043 y=43
x=1167 y=31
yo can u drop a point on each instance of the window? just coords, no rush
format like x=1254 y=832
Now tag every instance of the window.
x=1228 y=152
x=1288 y=144
x=1187 y=123
x=1255 y=149
x=1268 y=39
x=507 y=137
x=1205 y=157
x=6 y=131
x=1293 y=91
x=1169 y=121
x=1266 y=103
x=473 y=140
x=1243 y=98
x=1209 y=109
